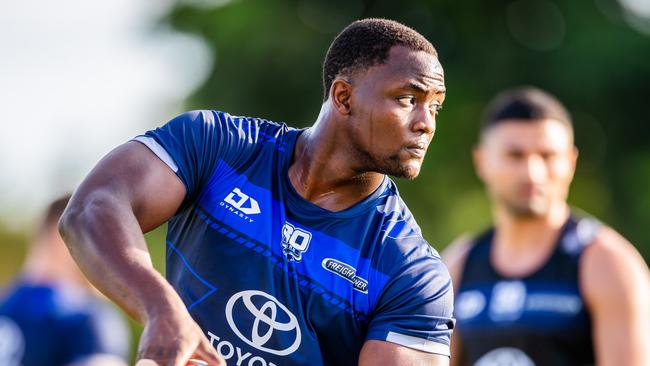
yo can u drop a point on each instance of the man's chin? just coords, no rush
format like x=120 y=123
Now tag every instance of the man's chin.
x=406 y=172
x=398 y=168
x=528 y=210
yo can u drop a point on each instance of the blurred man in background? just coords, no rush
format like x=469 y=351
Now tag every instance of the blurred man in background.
x=51 y=316
x=547 y=285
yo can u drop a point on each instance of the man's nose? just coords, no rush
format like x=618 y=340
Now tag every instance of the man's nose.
x=535 y=169
x=425 y=121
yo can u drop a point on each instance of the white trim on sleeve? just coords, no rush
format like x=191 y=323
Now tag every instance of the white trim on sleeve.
x=419 y=344
x=160 y=151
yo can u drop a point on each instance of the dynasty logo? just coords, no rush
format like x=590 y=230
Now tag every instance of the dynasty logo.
x=241 y=204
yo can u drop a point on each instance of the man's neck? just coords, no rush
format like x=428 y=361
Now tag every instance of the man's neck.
x=325 y=169
x=523 y=244
x=45 y=262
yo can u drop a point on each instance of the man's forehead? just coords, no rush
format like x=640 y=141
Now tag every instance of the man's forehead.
x=411 y=60
x=423 y=66
x=530 y=134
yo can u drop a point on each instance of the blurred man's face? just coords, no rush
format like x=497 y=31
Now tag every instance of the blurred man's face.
x=527 y=165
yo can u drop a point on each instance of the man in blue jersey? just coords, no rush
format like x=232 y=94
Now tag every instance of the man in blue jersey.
x=49 y=315
x=284 y=246
x=547 y=285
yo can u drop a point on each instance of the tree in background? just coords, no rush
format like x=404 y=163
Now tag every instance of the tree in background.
x=268 y=57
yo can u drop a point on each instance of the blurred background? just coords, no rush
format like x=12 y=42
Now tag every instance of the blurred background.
x=78 y=78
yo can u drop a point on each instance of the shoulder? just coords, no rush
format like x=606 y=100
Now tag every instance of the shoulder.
x=400 y=235
x=612 y=268
x=399 y=231
x=218 y=119
x=404 y=250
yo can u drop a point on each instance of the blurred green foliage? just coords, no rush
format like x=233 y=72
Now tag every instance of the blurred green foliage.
x=268 y=59
x=14 y=245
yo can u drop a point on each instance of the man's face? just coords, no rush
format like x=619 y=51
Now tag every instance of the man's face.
x=527 y=165
x=393 y=110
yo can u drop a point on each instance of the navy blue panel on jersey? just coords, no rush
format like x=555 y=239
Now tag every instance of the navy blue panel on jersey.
x=539 y=319
x=274 y=279
x=57 y=324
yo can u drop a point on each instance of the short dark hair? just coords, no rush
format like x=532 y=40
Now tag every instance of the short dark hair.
x=525 y=104
x=366 y=43
x=54 y=211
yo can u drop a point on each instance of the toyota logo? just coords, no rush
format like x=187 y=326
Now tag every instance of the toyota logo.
x=268 y=318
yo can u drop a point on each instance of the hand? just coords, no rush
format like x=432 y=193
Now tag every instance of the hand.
x=173 y=338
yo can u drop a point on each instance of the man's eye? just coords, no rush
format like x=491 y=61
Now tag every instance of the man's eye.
x=435 y=107
x=548 y=155
x=407 y=100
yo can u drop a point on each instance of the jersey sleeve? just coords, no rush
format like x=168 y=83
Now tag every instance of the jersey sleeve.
x=415 y=307
x=192 y=143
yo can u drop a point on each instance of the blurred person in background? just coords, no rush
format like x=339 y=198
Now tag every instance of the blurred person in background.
x=50 y=315
x=547 y=285
x=285 y=246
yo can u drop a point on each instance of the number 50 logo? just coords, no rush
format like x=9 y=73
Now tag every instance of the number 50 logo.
x=295 y=241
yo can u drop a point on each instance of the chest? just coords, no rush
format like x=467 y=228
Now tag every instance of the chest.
x=515 y=308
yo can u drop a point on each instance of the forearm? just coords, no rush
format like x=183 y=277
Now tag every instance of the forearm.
x=106 y=240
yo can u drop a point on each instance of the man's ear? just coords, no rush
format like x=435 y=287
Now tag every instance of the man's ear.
x=340 y=93
x=574 y=160
x=477 y=157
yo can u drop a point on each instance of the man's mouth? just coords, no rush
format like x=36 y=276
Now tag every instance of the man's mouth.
x=418 y=149
x=531 y=190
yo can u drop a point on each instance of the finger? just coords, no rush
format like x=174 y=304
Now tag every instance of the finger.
x=158 y=356
x=146 y=362
x=206 y=352
x=196 y=362
x=180 y=357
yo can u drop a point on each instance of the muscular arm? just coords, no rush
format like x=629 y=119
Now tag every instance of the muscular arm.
x=381 y=353
x=616 y=286
x=129 y=192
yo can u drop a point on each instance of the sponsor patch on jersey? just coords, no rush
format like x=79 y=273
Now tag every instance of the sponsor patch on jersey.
x=508 y=301
x=469 y=304
x=241 y=204
x=295 y=241
x=263 y=322
x=346 y=271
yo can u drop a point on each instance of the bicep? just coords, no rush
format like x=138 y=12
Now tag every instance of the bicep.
x=456 y=349
x=380 y=353
x=133 y=176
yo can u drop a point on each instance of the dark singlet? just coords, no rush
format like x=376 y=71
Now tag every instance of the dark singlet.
x=539 y=319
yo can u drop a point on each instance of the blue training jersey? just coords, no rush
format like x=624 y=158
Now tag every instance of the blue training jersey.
x=274 y=279
x=57 y=324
